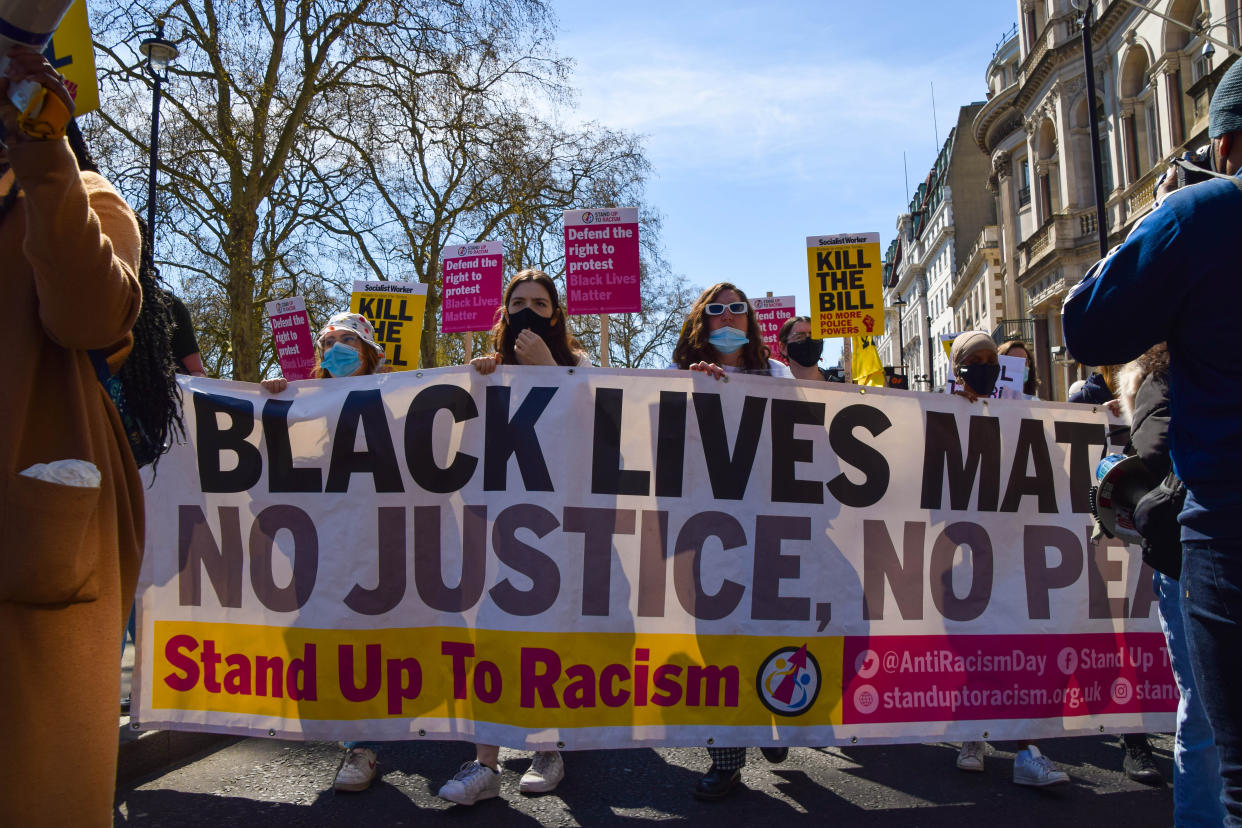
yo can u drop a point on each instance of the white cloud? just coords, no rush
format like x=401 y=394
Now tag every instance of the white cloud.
x=772 y=121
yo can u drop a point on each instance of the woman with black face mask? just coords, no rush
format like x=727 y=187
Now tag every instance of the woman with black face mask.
x=800 y=352
x=976 y=364
x=530 y=327
x=530 y=330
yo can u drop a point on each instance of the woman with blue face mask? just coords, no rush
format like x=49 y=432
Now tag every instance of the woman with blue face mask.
x=345 y=347
x=721 y=335
x=1030 y=382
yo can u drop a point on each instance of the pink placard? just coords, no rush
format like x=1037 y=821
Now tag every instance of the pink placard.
x=295 y=349
x=601 y=261
x=473 y=276
x=772 y=311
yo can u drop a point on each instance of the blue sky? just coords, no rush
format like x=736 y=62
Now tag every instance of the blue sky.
x=770 y=122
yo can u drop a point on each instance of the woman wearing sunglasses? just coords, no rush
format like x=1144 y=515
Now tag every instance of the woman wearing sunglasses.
x=721 y=335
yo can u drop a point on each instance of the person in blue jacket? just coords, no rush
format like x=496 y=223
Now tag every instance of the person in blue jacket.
x=1174 y=280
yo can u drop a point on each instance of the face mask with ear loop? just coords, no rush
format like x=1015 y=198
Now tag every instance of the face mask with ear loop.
x=981 y=378
x=341 y=360
x=727 y=339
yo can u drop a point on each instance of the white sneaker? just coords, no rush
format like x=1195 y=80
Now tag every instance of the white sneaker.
x=970 y=757
x=1030 y=767
x=474 y=781
x=356 y=771
x=547 y=770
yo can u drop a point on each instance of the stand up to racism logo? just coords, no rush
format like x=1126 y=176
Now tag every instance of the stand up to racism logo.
x=788 y=681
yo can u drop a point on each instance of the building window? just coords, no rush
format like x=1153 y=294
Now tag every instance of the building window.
x=1024 y=183
x=1199 y=68
x=1106 y=158
x=1153 y=134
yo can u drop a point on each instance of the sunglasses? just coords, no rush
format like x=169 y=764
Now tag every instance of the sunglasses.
x=717 y=308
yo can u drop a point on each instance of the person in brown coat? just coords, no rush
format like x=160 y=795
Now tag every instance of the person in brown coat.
x=69 y=248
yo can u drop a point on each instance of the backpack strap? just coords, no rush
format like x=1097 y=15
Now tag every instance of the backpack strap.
x=101 y=366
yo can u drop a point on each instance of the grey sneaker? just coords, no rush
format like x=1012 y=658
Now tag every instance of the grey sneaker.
x=1030 y=767
x=970 y=757
x=356 y=771
x=547 y=770
x=472 y=782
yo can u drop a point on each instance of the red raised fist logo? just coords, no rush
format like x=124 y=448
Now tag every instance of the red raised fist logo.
x=869 y=322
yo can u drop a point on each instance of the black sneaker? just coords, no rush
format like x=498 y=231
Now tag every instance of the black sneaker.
x=717 y=783
x=1139 y=764
x=775 y=755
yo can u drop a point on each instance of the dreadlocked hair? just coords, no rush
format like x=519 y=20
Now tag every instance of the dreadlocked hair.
x=149 y=374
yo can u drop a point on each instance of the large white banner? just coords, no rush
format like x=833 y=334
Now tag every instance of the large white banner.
x=587 y=558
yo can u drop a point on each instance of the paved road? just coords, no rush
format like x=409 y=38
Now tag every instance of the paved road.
x=254 y=782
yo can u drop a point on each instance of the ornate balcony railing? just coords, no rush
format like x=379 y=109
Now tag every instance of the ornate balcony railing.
x=1022 y=329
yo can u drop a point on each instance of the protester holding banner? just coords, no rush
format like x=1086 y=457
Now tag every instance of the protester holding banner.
x=799 y=350
x=975 y=359
x=530 y=330
x=1137 y=762
x=1143 y=387
x=721 y=335
x=70 y=495
x=345 y=347
x=1096 y=389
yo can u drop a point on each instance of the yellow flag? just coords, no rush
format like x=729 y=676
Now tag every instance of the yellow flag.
x=868 y=370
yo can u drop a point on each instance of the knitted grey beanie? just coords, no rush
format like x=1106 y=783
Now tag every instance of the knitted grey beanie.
x=1225 y=113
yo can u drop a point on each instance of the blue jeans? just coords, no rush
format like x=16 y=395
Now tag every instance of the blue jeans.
x=1211 y=585
x=1196 y=770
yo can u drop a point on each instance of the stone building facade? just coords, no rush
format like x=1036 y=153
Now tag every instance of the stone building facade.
x=948 y=214
x=1154 y=73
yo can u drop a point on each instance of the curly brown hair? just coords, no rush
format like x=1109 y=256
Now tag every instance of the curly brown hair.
x=694 y=346
x=1031 y=386
x=564 y=346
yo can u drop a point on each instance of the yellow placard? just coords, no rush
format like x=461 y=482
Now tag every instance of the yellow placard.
x=72 y=54
x=846 y=280
x=538 y=680
x=946 y=342
x=396 y=310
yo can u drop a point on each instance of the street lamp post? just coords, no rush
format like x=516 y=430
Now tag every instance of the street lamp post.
x=159 y=54
x=1097 y=167
x=900 y=304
